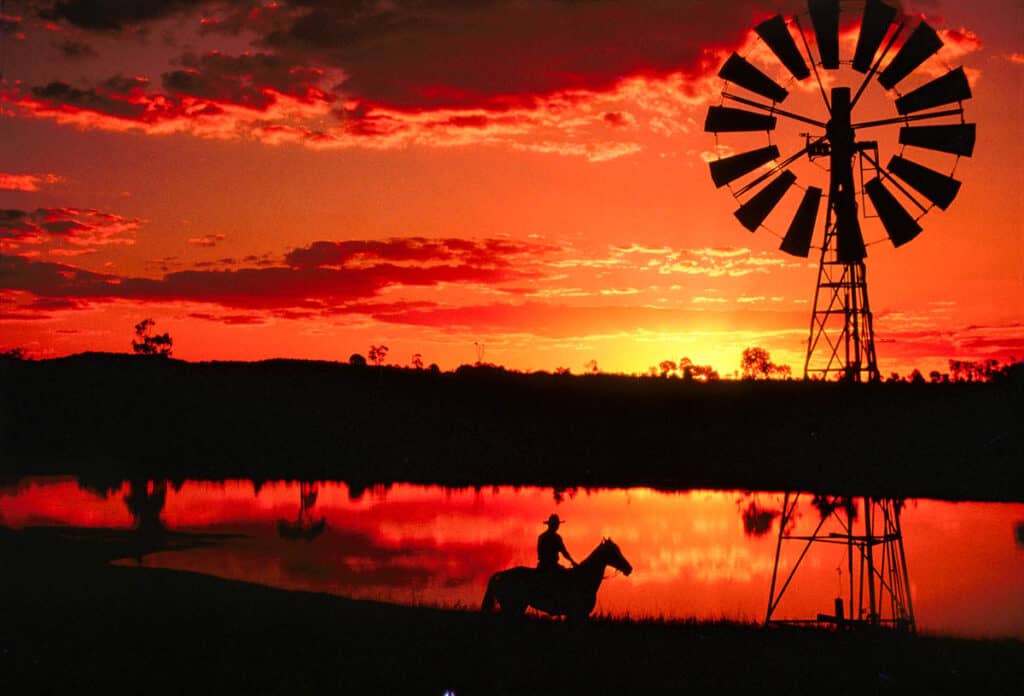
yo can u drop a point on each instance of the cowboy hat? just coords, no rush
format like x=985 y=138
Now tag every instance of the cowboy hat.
x=553 y=520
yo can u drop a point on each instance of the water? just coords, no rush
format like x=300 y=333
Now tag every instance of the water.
x=695 y=554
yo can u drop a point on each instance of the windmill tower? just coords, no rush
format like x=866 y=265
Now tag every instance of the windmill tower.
x=832 y=159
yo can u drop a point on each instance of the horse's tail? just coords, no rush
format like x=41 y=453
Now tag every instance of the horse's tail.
x=490 y=603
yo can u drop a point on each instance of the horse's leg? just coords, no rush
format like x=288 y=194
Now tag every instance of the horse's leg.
x=490 y=603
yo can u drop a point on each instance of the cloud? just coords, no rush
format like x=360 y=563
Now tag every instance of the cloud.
x=324 y=278
x=486 y=253
x=83 y=229
x=210 y=240
x=74 y=49
x=252 y=80
x=115 y=16
x=27 y=182
x=407 y=72
x=211 y=95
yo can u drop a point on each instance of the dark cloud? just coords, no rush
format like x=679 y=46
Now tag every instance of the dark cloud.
x=411 y=54
x=491 y=252
x=209 y=240
x=115 y=15
x=81 y=228
x=231 y=319
x=73 y=49
x=310 y=285
x=414 y=54
x=243 y=80
x=105 y=99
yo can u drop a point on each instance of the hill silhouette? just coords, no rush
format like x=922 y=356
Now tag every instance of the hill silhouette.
x=124 y=416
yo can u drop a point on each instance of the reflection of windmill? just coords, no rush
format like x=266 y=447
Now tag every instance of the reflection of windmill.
x=878 y=585
x=841 y=340
x=305 y=526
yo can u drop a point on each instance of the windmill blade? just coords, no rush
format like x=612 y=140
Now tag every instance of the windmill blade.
x=798 y=238
x=899 y=224
x=936 y=187
x=877 y=18
x=957 y=139
x=731 y=168
x=752 y=213
x=775 y=33
x=922 y=45
x=741 y=72
x=825 y=18
x=948 y=89
x=724 y=119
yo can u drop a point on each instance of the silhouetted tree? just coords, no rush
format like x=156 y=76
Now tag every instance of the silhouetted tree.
x=686 y=368
x=563 y=371
x=935 y=377
x=149 y=343
x=757 y=364
x=377 y=354
x=916 y=377
x=417 y=361
x=14 y=354
x=666 y=367
x=757 y=521
x=704 y=373
x=357 y=360
x=591 y=367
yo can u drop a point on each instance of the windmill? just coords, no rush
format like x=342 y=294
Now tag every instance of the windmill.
x=850 y=177
x=832 y=159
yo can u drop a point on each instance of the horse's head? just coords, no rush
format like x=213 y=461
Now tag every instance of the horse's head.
x=613 y=556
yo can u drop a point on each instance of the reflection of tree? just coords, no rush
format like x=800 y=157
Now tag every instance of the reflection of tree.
x=757 y=521
x=305 y=525
x=145 y=501
x=827 y=504
x=561 y=491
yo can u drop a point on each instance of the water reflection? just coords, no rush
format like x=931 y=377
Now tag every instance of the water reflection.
x=702 y=554
x=305 y=526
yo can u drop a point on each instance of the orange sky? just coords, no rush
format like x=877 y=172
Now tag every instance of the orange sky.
x=305 y=179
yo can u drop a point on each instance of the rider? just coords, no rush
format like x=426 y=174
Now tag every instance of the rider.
x=550 y=545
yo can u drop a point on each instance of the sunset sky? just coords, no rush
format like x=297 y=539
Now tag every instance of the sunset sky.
x=306 y=178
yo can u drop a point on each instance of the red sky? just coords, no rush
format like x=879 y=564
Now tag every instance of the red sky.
x=307 y=178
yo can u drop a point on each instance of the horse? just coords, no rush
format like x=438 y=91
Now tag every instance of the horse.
x=567 y=592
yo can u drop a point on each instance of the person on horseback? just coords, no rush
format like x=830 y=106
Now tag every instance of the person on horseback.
x=550 y=545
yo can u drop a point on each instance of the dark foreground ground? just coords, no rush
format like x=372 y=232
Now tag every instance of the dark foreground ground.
x=72 y=623
x=110 y=417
